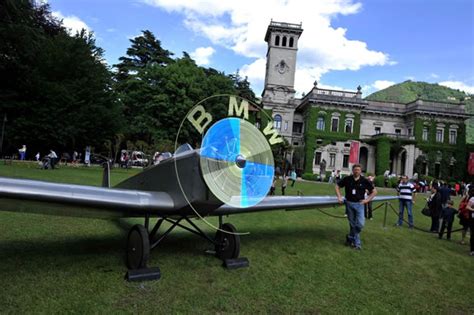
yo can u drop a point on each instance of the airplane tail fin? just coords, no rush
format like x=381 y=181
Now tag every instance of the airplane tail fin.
x=106 y=174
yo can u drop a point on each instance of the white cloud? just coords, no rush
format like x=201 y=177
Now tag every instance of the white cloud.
x=434 y=76
x=202 y=55
x=382 y=84
x=241 y=25
x=458 y=85
x=376 y=86
x=72 y=22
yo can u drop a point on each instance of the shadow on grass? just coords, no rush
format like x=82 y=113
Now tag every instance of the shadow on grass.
x=110 y=248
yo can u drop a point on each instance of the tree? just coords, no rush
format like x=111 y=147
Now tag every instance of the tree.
x=55 y=87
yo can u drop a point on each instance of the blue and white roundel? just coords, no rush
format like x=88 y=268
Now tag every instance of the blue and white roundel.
x=237 y=162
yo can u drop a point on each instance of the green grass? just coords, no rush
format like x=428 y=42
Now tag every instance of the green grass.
x=297 y=264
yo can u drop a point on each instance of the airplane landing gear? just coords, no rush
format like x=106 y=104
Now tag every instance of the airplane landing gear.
x=138 y=247
x=227 y=244
x=138 y=252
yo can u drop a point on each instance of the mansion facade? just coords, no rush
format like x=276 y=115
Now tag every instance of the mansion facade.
x=422 y=136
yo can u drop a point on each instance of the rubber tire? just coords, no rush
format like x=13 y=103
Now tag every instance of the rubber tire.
x=138 y=247
x=227 y=245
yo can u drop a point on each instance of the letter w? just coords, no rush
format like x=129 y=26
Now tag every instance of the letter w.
x=275 y=137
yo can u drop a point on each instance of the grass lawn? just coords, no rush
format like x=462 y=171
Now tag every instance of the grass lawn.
x=298 y=263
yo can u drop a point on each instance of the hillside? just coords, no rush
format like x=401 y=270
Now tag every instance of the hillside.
x=408 y=91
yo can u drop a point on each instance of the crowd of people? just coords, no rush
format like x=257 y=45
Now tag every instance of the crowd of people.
x=360 y=190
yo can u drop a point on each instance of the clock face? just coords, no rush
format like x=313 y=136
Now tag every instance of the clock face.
x=282 y=67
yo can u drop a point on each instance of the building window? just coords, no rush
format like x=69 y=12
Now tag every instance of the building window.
x=378 y=130
x=320 y=123
x=334 y=124
x=286 y=124
x=277 y=40
x=439 y=135
x=317 y=158
x=291 y=41
x=452 y=136
x=348 y=125
x=345 y=161
x=297 y=127
x=283 y=42
x=277 y=122
x=425 y=134
x=332 y=160
x=398 y=132
x=409 y=131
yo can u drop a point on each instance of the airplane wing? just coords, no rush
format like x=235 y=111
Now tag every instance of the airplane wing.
x=22 y=195
x=289 y=203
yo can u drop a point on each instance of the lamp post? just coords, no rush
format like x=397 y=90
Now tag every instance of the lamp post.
x=3 y=133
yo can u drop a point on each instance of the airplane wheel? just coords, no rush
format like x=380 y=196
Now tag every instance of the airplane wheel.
x=228 y=245
x=138 y=247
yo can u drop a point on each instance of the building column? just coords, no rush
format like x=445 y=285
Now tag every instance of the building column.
x=410 y=162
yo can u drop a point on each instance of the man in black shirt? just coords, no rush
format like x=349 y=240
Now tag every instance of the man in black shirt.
x=355 y=186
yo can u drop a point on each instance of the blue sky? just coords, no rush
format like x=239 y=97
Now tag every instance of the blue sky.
x=345 y=43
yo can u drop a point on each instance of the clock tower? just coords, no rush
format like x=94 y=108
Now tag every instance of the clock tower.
x=282 y=39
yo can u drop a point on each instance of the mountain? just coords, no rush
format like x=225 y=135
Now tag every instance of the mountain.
x=409 y=91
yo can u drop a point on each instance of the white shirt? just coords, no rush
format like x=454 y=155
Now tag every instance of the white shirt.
x=406 y=191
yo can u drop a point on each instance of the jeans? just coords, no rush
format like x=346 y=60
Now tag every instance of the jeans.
x=355 y=215
x=409 y=205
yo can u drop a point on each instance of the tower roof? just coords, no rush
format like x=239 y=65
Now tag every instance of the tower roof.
x=283 y=27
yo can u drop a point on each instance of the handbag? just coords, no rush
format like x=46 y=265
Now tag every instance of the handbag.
x=426 y=210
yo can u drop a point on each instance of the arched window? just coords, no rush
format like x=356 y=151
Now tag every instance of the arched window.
x=283 y=42
x=277 y=40
x=291 y=42
x=320 y=123
x=277 y=122
x=349 y=125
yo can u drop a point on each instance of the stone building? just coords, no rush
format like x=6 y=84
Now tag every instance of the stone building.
x=423 y=136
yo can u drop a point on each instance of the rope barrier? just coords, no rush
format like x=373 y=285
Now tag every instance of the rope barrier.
x=299 y=193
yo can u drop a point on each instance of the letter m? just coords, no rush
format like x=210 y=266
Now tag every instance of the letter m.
x=244 y=107
x=275 y=137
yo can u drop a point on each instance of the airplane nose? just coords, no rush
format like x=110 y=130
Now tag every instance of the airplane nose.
x=240 y=161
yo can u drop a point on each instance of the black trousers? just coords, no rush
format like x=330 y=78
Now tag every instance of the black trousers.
x=447 y=222
x=471 y=226
x=434 y=223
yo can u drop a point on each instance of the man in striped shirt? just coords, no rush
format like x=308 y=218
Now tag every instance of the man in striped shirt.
x=406 y=193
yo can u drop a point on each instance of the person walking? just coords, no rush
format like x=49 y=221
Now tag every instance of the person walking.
x=293 y=178
x=355 y=186
x=22 y=152
x=406 y=196
x=53 y=157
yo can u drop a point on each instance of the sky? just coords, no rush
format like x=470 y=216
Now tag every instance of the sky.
x=345 y=43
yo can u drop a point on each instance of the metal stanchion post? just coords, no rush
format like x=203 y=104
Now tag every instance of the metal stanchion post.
x=385 y=216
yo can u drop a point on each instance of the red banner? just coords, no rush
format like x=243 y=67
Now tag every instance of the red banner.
x=354 y=153
x=470 y=164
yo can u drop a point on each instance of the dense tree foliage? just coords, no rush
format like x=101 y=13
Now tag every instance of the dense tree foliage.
x=57 y=91
x=157 y=92
x=54 y=87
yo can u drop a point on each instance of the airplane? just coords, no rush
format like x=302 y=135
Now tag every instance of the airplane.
x=214 y=180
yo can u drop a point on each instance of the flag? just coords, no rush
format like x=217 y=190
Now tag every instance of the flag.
x=354 y=153
x=470 y=164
